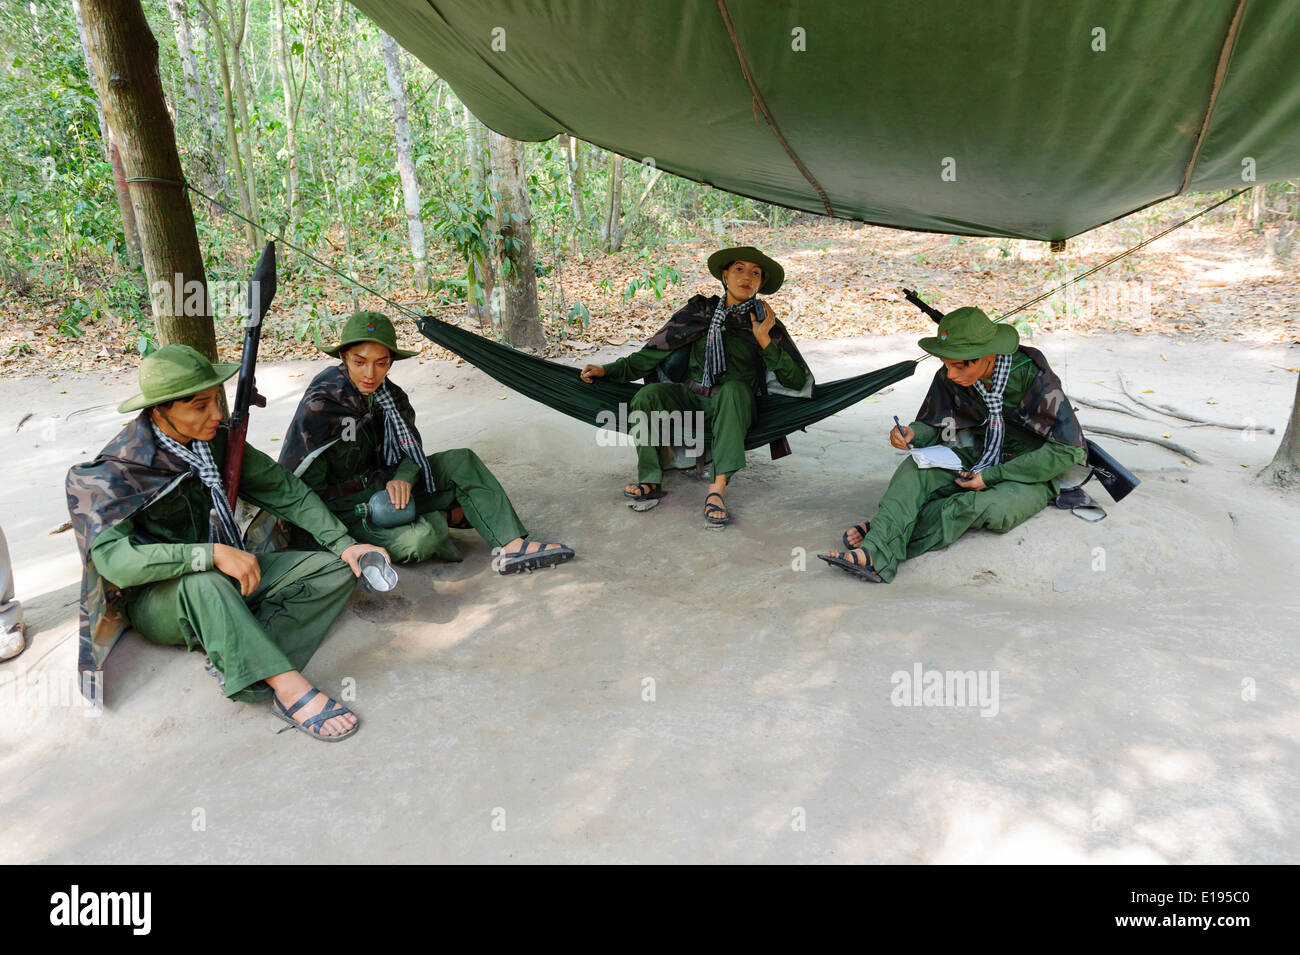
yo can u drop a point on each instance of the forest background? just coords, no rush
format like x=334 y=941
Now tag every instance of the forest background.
x=302 y=116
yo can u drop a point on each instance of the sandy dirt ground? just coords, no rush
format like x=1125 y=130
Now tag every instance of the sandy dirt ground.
x=684 y=694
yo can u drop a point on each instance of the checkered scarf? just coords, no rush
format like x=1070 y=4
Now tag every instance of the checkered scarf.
x=993 y=401
x=398 y=439
x=715 y=354
x=198 y=456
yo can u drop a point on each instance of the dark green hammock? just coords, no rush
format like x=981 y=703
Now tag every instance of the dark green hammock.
x=558 y=386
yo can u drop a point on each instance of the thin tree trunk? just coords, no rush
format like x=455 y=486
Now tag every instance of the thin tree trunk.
x=119 y=38
x=331 y=177
x=189 y=60
x=573 y=160
x=358 y=70
x=613 y=205
x=522 y=323
x=213 y=114
x=232 y=135
x=92 y=71
x=405 y=162
x=481 y=290
x=290 y=120
x=1284 y=469
x=624 y=228
x=130 y=232
x=238 y=29
x=130 y=229
x=1258 y=204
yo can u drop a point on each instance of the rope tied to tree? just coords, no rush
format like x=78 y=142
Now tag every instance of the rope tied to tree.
x=279 y=237
x=156 y=180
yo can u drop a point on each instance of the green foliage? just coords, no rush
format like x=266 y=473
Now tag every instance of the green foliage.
x=61 y=235
x=657 y=282
x=578 y=315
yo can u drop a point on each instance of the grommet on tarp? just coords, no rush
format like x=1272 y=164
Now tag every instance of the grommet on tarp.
x=1058 y=245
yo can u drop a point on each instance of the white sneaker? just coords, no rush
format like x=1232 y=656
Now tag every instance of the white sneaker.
x=14 y=642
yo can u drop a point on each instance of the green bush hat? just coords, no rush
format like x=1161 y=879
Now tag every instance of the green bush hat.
x=773 y=274
x=368 y=327
x=967 y=333
x=175 y=371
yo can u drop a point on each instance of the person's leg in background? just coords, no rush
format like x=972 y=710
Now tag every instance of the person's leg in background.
x=13 y=632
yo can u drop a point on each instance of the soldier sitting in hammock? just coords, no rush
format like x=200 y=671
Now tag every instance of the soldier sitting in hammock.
x=141 y=514
x=1012 y=457
x=354 y=434
x=731 y=352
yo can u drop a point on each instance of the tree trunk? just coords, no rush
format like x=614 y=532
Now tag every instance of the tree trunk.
x=482 y=275
x=573 y=160
x=290 y=121
x=212 y=116
x=1284 y=469
x=189 y=61
x=358 y=69
x=131 y=90
x=1258 y=204
x=405 y=162
x=331 y=177
x=521 y=321
x=238 y=27
x=629 y=221
x=92 y=71
x=232 y=136
x=613 y=206
x=130 y=232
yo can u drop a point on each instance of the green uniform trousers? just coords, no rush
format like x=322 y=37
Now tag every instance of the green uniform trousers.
x=276 y=628
x=923 y=510
x=728 y=413
x=461 y=478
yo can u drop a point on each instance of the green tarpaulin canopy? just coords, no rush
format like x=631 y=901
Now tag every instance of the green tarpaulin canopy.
x=1050 y=117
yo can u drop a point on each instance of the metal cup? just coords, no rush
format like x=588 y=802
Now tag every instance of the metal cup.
x=377 y=573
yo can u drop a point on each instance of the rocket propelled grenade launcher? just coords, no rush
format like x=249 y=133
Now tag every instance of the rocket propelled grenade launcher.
x=260 y=293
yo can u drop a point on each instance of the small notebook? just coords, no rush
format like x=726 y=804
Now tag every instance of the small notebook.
x=936 y=456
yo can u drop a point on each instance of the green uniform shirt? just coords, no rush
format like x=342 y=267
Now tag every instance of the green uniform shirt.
x=740 y=363
x=179 y=521
x=344 y=460
x=1034 y=459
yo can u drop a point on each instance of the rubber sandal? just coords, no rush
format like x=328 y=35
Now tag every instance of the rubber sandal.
x=312 y=724
x=864 y=529
x=711 y=509
x=866 y=572
x=645 y=492
x=549 y=556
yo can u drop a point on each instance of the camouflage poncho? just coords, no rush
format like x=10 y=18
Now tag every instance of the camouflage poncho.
x=1043 y=409
x=330 y=402
x=129 y=474
x=692 y=322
